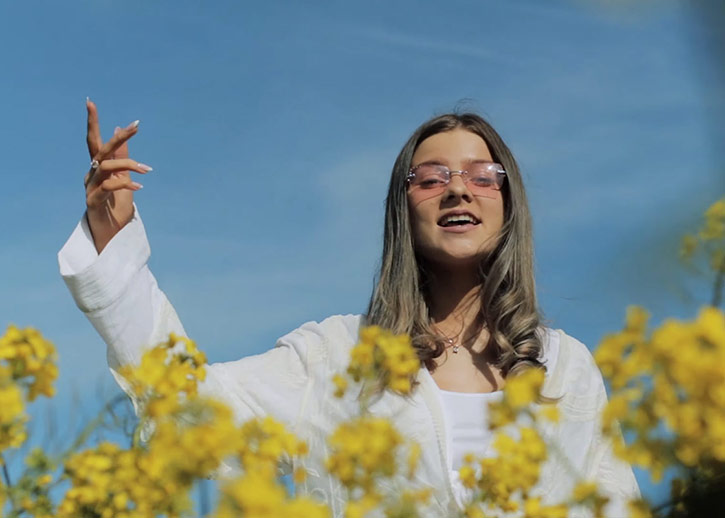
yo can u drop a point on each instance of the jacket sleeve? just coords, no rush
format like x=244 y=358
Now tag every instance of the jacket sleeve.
x=120 y=296
x=614 y=477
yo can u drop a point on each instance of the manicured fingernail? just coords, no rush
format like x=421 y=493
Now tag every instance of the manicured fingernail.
x=136 y=185
x=116 y=130
x=133 y=125
x=88 y=99
x=144 y=167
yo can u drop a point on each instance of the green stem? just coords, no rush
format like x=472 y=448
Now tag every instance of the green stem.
x=6 y=473
x=92 y=425
x=136 y=440
x=719 y=284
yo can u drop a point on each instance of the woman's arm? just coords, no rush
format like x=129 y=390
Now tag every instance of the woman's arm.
x=104 y=264
x=117 y=292
x=120 y=296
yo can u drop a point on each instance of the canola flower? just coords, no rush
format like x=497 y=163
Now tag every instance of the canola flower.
x=256 y=495
x=264 y=442
x=673 y=376
x=368 y=449
x=669 y=385
x=166 y=375
x=587 y=494
x=710 y=239
x=520 y=392
x=30 y=360
x=191 y=437
x=504 y=482
x=710 y=236
x=12 y=413
x=383 y=357
x=27 y=369
x=363 y=450
x=107 y=481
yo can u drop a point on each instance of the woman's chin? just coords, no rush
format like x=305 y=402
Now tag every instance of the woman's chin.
x=456 y=259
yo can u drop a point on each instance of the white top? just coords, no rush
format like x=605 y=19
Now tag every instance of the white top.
x=466 y=421
x=466 y=416
x=292 y=382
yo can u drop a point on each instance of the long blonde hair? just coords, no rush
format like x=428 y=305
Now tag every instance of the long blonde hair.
x=508 y=295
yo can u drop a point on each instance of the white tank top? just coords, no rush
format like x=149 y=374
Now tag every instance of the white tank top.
x=466 y=416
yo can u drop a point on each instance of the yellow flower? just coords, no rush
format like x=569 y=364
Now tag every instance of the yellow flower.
x=413 y=458
x=264 y=443
x=384 y=357
x=167 y=374
x=299 y=475
x=30 y=359
x=513 y=473
x=549 y=412
x=714 y=227
x=674 y=377
x=688 y=247
x=340 y=385
x=639 y=509
x=534 y=509
x=12 y=414
x=363 y=450
x=473 y=511
x=252 y=495
x=523 y=389
x=360 y=508
x=467 y=475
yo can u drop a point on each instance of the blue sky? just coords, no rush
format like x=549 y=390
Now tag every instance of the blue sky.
x=272 y=130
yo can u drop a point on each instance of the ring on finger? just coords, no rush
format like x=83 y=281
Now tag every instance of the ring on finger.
x=94 y=164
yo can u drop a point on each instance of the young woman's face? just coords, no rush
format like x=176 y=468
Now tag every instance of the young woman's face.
x=454 y=227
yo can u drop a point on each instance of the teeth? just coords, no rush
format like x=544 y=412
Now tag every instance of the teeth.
x=457 y=218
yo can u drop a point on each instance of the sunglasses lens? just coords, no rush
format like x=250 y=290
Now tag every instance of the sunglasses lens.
x=429 y=180
x=484 y=179
x=430 y=177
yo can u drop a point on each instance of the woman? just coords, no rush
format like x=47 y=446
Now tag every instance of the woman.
x=456 y=275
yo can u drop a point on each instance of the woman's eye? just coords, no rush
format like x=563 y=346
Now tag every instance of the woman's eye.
x=483 y=181
x=427 y=183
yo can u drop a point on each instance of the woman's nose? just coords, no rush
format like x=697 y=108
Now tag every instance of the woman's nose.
x=457 y=187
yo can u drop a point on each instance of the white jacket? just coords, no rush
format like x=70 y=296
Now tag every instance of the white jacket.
x=292 y=381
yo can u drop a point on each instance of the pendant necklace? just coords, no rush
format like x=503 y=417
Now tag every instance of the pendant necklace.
x=452 y=342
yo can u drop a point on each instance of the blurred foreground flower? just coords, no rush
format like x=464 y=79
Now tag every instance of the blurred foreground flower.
x=669 y=388
x=382 y=357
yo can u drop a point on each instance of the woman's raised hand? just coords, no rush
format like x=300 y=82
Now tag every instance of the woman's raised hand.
x=109 y=187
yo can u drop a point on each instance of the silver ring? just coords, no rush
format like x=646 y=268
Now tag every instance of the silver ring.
x=94 y=165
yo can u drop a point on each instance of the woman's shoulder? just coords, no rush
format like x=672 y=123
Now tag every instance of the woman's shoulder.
x=335 y=327
x=570 y=365
x=329 y=339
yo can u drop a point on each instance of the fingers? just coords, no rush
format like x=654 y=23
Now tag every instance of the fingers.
x=122 y=151
x=98 y=195
x=117 y=183
x=118 y=139
x=93 y=135
x=114 y=166
x=122 y=164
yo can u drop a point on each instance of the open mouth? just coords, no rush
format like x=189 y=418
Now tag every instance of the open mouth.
x=458 y=220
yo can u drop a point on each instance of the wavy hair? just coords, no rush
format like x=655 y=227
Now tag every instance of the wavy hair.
x=507 y=290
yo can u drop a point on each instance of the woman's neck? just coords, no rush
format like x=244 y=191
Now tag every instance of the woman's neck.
x=454 y=303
